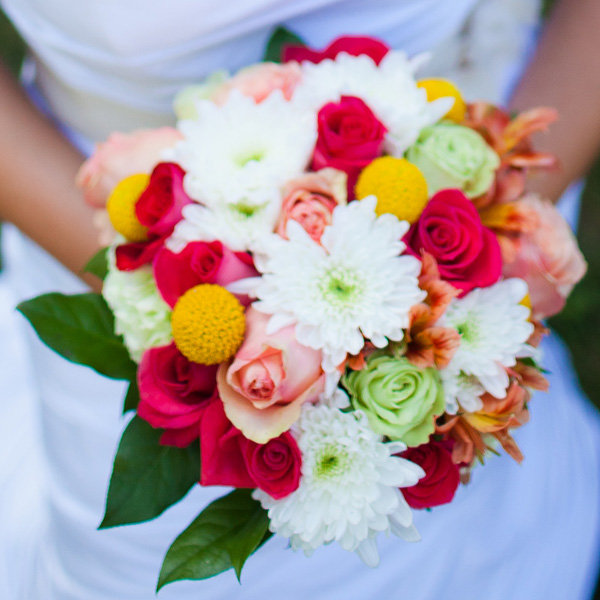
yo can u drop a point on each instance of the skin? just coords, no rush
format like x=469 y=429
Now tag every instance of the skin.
x=565 y=74
x=37 y=174
x=38 y=164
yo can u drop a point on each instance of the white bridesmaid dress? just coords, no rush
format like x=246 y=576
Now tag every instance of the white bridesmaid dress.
x=515 y=532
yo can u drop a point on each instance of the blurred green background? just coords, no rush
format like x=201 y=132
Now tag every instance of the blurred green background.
x=578 y=324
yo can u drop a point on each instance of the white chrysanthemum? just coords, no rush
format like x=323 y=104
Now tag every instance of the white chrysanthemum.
x=494 y=329
x=390 y=90
x=461 y=390
x=142 y=317
x=238 y=226
x=243 y=152
x=348 y=489
x=354 y=284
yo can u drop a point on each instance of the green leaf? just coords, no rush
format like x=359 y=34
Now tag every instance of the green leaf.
x=98 y=264
x=223 y=536
x=81 y=329
x=132 y=399
x=280 y=37
x=147 y=478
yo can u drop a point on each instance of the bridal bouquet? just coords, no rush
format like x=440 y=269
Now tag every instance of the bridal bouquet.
x=325 y=290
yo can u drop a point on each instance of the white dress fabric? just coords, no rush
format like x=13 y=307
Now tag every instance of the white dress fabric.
x=518 y=532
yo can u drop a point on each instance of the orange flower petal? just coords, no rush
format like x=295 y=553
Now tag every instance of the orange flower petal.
x=511 y=216
x=527 y=123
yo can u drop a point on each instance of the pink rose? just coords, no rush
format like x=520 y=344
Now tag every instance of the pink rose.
x=450 y=229
x=349 y=137
x=353 y=45
x=258 y=81
x=441 y=475
x=122 y=154
x=269 y=379
x=228 y=458
x=310 y=200
x=199 y=262
x=174 y=393
x=547 y=258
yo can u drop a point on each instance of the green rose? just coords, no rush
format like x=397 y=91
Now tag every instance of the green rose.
x=453 y=156
x=399 y=399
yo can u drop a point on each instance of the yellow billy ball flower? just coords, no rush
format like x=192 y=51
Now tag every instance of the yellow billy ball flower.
x=121 y=207
x=442 y=88
x=398 y=185
x=208 y=324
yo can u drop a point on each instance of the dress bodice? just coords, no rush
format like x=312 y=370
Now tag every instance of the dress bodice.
x=106 y=65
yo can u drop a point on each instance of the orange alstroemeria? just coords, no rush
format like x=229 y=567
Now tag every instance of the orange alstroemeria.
x=496 y=418
x=428 y=344
x=468 y=443
x=530 y=377
x=509 y=137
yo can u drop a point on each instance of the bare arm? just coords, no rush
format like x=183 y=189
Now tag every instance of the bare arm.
x=565 y=74
x=37 y=174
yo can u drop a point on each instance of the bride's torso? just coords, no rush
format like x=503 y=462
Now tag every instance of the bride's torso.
x=106 y=65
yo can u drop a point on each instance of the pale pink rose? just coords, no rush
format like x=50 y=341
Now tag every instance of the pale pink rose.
x=269 y=379
x=548 y=259
x=106 y=232
x=121 y=155
x=310 y=200
x=258 y=81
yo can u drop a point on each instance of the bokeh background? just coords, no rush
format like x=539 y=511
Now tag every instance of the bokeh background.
x=578 y=324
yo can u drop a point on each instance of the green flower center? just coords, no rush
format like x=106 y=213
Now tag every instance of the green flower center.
x=469 y=332
x=341 y=287
x=253 y=156
x=243 y=211
x=331 y=462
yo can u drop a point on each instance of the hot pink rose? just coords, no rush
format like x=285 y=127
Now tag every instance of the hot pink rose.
x=310 y=201
x=160 y=205
x=548 y=259
x=133 y=255
x=122 y=154
x=350 y=136
x=174 y=393
x=159 y=208
x=228 y=458
x=353 y=45
x=441 y=475
x=269 y=379
x=258 y=81
x=199 y=262
x=449 y=228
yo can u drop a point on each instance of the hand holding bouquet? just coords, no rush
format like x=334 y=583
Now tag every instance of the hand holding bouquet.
x=326 y=291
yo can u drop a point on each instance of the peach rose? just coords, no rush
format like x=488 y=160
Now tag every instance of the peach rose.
x=548 y=259
x=121 y=155
x=310 y=200
x=258 y=81
x=269 y=379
